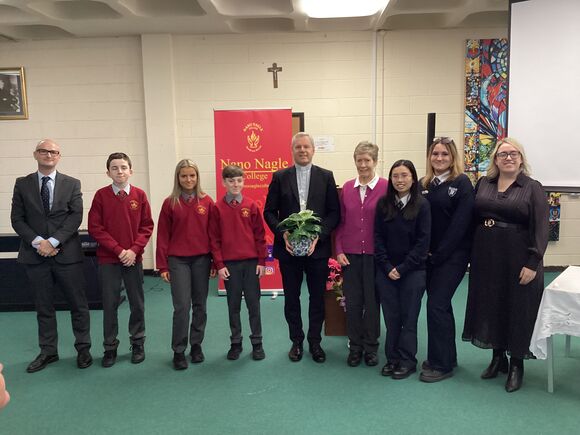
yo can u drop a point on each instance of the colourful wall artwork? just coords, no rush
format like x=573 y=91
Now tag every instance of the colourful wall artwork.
x=486 y=88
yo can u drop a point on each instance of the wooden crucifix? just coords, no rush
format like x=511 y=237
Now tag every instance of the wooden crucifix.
x=275 y=69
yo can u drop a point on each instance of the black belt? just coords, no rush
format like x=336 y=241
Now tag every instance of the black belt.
x=493 y=223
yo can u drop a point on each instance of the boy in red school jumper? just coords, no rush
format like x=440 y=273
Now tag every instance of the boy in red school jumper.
x=239 y=250
x=120 y=221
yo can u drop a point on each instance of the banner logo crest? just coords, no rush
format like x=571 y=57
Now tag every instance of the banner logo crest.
x=253 y=130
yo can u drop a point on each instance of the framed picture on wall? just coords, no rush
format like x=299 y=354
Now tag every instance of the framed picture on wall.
x=13 y=104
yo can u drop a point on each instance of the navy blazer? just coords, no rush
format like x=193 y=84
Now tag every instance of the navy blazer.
x=62 y=222
x=283 y=200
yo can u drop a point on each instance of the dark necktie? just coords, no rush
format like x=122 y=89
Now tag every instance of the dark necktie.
x=234 y=202
x=436 y=181
x=400 y=205
x=122 y=195
x=45 y=194
x=189 y=199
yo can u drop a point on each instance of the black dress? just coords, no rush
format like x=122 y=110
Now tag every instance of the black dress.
x=500 y=312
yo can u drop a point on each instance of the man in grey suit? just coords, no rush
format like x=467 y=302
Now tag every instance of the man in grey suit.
x=47 y=210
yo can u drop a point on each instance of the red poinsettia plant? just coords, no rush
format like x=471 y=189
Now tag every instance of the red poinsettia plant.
x=334 y=282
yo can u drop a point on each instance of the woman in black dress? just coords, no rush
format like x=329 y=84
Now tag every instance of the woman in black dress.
x=506 y=276
x=450 y=194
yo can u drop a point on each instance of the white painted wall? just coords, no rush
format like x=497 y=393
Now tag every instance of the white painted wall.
x=88 y=95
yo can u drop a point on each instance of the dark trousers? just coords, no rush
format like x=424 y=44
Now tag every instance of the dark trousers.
x=71 y=280
x=442 y=282
x=111 y=277
x=243 y=281
x=401 y=303
x=363 y=322
x=293 y=270
x=189 y=289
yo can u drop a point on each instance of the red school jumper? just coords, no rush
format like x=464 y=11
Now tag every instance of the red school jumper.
x=183 y=229
x=237 y=232
x=118 y=224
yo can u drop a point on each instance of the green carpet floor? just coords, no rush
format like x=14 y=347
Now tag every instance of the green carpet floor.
x=274 y=396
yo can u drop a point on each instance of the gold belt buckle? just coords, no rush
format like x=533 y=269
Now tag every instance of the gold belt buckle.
x=489 y=223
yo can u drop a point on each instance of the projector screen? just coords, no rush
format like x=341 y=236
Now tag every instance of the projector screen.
x=544 y=88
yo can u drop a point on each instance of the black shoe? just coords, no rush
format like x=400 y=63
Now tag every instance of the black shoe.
x=40 y=362
x=296 y=352
x=389 y=368
x=235 y=351
x=433 y=375
x=258 y=352
x=84 y=359
x=137 y=353
x=514 y=379
x=179 y=361
x=497 y=364
x=371 y=359
x=354 y=358
x=109 y=358
x=403 y=372
x=426 y=365
x=196 y=353
x=318 y=354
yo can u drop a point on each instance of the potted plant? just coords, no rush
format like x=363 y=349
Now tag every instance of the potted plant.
x=303 y=227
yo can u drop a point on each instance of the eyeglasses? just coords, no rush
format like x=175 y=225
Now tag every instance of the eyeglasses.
x=445 y=140
x=44 y=152
x=504 y=155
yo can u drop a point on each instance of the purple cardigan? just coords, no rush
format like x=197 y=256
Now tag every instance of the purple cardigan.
x=355 y=234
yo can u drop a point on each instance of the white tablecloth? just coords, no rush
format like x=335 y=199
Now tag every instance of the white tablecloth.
x=559 y=311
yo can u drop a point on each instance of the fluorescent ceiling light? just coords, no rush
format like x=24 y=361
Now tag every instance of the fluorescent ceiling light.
x=342 y=8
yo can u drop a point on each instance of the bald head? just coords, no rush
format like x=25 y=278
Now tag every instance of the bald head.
x=47 y=154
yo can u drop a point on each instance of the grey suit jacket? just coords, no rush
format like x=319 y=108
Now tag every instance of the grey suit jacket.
x=62 y=222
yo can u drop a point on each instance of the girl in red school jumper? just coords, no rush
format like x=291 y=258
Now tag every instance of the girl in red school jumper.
x=184 y=260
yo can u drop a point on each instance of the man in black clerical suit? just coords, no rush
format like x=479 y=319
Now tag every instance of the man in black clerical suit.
x=47 y=210
x=303 y=186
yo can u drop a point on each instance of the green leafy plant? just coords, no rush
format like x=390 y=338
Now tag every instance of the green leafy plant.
x=301 y=225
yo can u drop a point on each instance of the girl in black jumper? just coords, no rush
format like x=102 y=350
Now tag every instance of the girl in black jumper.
x=402 y=232
x=450 y=194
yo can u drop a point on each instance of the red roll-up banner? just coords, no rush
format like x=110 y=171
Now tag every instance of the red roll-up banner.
x=258 y=140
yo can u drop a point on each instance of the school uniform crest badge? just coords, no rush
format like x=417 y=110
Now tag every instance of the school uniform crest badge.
x=201 y=210
x=134 y=204
x=245 y=212
x=452 y=191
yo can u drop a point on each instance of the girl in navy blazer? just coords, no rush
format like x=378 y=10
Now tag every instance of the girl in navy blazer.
x=402 y=232
x=450 y=194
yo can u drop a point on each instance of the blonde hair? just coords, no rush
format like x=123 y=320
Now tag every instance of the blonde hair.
x=493 y=171
x=456 y=166
x=176 y=192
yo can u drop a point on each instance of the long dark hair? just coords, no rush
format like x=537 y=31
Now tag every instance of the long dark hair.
x=387 y=202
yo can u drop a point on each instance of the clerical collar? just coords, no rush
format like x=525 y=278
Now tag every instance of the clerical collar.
x=230 y=198
x=405 y=199
x=304 y=168
x=371 y=184
x=116 y=190
x=444 y=176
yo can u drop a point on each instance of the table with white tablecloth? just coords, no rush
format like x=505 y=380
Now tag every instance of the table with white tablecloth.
x=559 y=313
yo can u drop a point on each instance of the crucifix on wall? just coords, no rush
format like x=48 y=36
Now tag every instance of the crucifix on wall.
x=275 y=69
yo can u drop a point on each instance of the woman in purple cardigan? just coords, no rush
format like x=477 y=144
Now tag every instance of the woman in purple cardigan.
x=354 y=245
